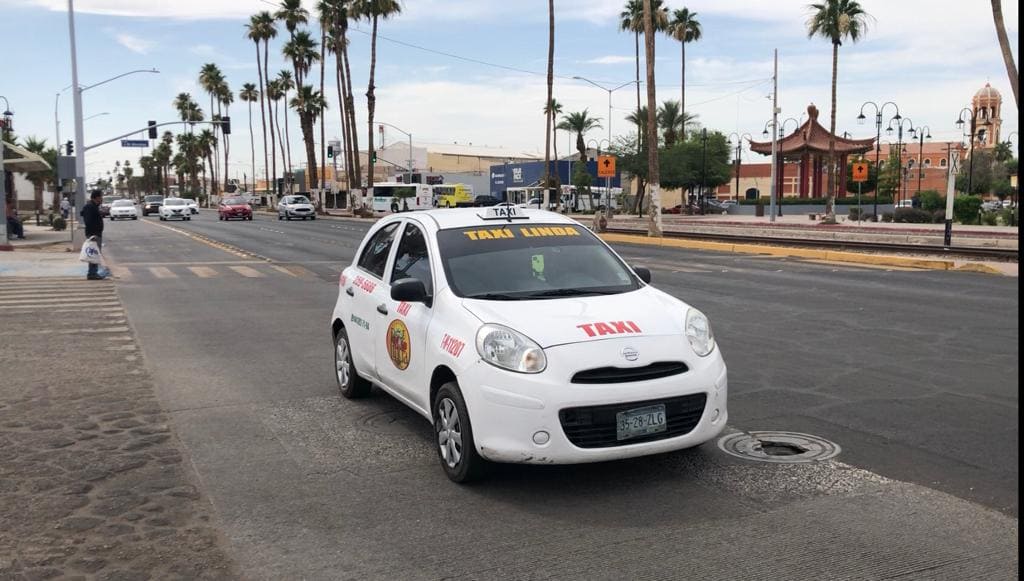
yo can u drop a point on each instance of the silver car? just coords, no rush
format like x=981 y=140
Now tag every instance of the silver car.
x=295 y=207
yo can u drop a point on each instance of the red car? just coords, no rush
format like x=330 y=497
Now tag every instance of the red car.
x=234 y=208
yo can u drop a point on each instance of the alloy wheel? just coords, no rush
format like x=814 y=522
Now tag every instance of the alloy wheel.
x=341 y=362
x=449 y=432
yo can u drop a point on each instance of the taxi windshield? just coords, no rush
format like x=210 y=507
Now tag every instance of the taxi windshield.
x=530 y=261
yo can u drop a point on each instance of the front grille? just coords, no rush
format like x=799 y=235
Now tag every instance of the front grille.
x=595 y=427
x=655 y=370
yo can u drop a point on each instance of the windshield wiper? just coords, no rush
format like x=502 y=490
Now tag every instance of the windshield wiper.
x=570 y=292
x=496 y=297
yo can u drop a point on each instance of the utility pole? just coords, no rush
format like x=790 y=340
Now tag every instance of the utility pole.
x=79 y=127
x=775 y=136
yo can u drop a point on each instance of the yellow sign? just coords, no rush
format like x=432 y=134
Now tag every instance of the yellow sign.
x=860 y=172
x=606 y=166
x=398 y=344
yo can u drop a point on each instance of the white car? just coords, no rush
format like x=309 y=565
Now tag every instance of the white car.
x=524 y=338
x=193 y=206
x=123 y=209
x=295 y=207
x=175 y=208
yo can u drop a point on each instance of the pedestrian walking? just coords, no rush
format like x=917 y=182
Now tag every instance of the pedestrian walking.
x=94 y=228
x=65 y=208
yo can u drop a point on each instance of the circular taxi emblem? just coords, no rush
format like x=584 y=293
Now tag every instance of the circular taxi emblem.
x=399 y=349
x=630 y=354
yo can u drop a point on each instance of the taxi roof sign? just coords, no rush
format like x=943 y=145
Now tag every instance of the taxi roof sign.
x=505 y=212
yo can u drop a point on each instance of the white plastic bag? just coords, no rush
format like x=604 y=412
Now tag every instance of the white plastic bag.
x=91 y=252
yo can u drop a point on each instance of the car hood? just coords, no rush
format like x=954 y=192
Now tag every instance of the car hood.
x=299 y=206
x=644 y=312
x=235 y=207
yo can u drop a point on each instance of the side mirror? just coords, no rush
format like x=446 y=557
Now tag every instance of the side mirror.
x=409 y=290
x=644 y=273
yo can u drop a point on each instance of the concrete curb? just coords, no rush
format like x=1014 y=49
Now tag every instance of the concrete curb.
x=810 y=253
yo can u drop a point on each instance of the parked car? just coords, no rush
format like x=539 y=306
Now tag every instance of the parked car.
x=295 y=207
x=905 y=204
x=175 y=208
x=123 y=209
x=151 y=204
x=234 y=208
x=991 y=205
x=485 y=201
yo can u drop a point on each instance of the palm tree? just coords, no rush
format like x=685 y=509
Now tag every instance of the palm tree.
x=324 y=16
x=285 y=83
x=835 y=20
x=129 y=172
x=162 y=157
x=249 y=94
x=40 y=179
x=639 y=118
x=343 y=11
x=554 y=109
x=274 y=96
x=549 y=118
x=374 y=10
x=308 y=103
x=580 y=123
x=685 y=28
x=261 y=29
x=210 y=79
x=653 y=175
x=631 y=20
x=292 y=14
x=301 y=50
x=206 y=150
x=674 y=122
x=1004 y=45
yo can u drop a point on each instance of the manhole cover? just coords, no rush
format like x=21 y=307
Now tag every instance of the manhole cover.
x=386 y=422
x=778 y=447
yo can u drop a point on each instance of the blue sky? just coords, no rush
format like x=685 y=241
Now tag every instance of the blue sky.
x=927 y=56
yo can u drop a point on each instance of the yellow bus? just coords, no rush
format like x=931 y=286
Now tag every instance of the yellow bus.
x=453 y=195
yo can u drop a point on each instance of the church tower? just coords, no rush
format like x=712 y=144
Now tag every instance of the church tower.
x=987 y=104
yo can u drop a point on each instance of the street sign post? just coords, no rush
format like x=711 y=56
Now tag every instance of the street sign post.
x=134 y=143
x=860 y=175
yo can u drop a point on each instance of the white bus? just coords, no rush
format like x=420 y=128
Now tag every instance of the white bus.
x=399 y=197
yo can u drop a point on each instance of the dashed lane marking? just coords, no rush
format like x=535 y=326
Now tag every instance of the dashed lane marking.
x=247 y=272
x=162 y=272
x=203 y=271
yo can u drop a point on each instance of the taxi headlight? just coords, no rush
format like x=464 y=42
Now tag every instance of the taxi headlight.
x=698 y=332
x=502 y=347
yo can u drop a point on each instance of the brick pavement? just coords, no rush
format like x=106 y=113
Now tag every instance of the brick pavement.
x=92 y=478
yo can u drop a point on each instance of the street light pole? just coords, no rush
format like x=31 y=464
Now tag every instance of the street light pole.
x=4 y=128
x=879 y=113
x=410 y=160
x=739 y=158
x=899 y=150
x=974 y=127
x=607 y=180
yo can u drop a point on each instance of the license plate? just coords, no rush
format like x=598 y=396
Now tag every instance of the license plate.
x=640 y=422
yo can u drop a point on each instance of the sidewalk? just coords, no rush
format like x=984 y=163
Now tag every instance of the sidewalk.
x=93 y=481
x=43 y=236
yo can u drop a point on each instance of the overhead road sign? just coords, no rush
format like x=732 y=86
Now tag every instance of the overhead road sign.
x=134 y=143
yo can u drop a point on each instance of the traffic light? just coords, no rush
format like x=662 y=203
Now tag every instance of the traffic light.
x=373 y=157
x=70 y=147
x=225 y=125
x=330 y=152
x=152 y=129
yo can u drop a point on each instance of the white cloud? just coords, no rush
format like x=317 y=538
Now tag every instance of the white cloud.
x=134 y=43
x=610 y=60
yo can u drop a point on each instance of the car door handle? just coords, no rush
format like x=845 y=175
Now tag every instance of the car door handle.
x=350 y=292
x=382 y=309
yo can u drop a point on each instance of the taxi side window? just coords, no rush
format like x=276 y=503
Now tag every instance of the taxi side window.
x=375 y=255
x=412 y=260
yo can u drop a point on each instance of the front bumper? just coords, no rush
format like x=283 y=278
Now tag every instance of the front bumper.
x=509 y=410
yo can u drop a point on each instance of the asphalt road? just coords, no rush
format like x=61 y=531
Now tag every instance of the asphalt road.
x=913 y=373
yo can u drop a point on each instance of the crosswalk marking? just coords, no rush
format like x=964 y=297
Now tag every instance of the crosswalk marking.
x=247 y=272
x=203 y=271
x=162 y=272
x=121 y=272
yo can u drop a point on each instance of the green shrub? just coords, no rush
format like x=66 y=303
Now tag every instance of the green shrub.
x=989 y=219
x=855 y=214
x=59 y=223
x=887 y=216
x=931 y=200
x=966 y=209
x=938 y=216
x=912 y=216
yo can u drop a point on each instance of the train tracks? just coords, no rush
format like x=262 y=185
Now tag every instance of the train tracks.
x=1003 y=254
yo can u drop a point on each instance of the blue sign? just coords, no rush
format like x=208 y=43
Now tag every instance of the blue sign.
x=134 y=143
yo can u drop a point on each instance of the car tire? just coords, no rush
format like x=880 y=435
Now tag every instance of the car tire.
x=312 y=217
x=135 y=217
x=350 y=384
x=162 y=218
x=280 y=217
x=458 y=456
x=189 y=218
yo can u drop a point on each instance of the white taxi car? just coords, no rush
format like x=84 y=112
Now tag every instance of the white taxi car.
x=524 y=338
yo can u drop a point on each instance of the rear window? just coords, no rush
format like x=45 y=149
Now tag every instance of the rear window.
x=154 y=198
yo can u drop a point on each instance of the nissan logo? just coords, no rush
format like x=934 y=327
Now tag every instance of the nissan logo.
x=630 y=354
